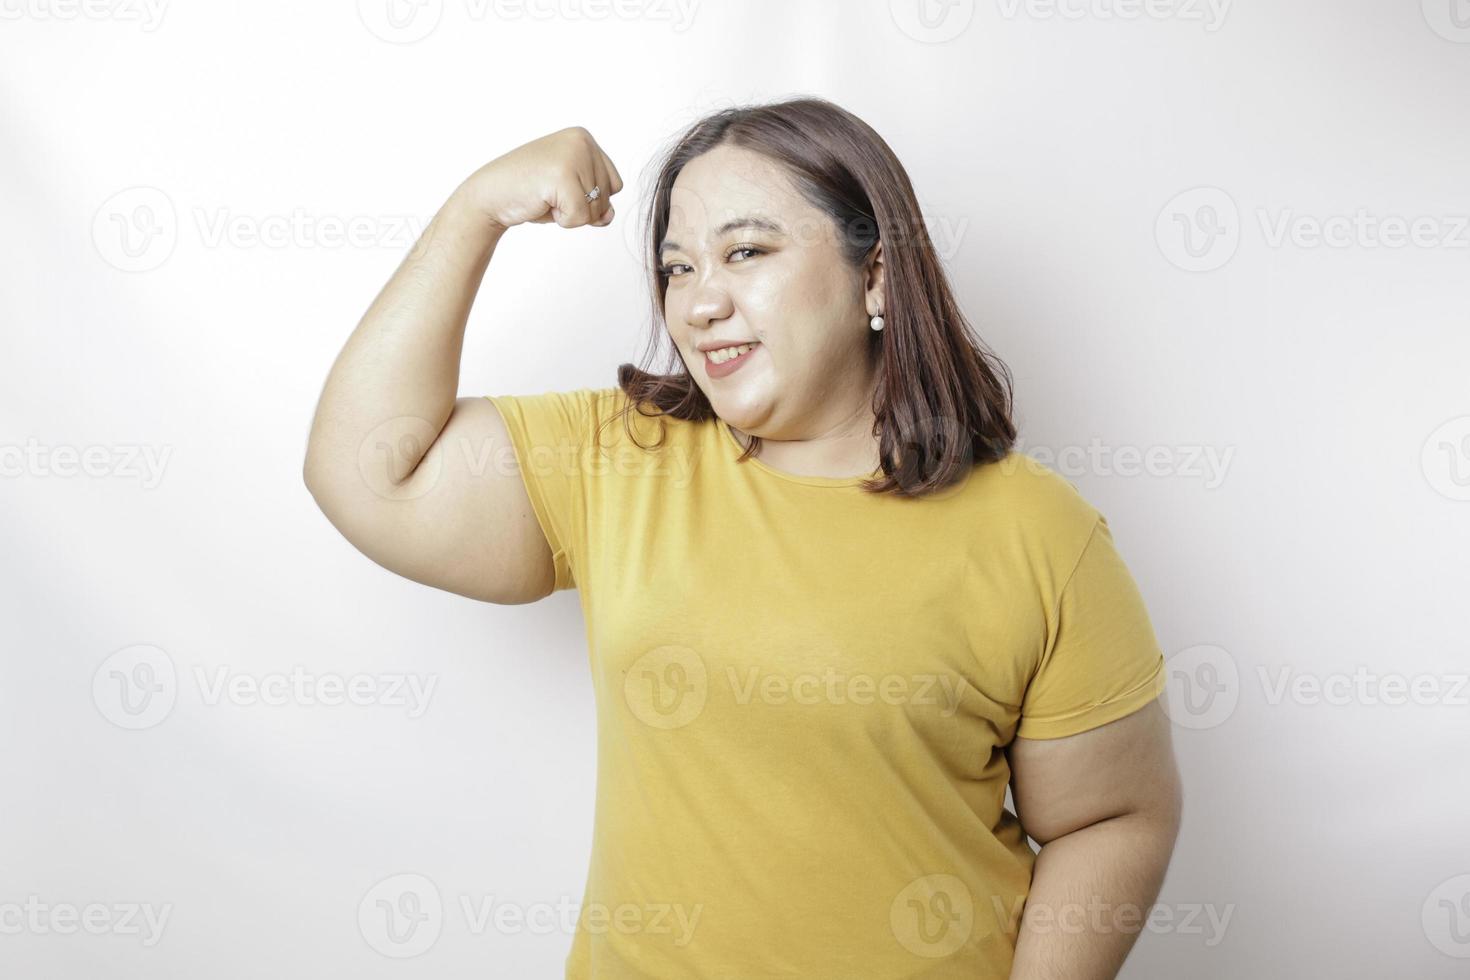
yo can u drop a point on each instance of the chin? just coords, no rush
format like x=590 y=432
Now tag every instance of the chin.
x=743 y=413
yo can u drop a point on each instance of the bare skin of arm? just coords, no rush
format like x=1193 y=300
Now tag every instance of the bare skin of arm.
x=401 y=466
x=1105 y=806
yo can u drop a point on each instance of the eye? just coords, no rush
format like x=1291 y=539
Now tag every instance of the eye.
x=667 y=271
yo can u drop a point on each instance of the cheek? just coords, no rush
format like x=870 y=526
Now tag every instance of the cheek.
x=778 y=308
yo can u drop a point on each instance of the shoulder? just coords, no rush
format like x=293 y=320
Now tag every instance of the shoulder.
x=1030 y=498
x=611 y=396
x=612 y=400
x=616 y=417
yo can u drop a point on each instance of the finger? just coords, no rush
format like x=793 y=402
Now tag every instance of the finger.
x=615 y=180
x=602 y=207
x=572 y=207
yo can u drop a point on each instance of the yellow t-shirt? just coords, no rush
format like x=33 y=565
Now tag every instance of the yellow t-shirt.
x=804 y=691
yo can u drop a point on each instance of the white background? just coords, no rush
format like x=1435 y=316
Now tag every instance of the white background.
x=171 y=180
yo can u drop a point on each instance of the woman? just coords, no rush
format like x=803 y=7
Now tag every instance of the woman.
x=832 y=613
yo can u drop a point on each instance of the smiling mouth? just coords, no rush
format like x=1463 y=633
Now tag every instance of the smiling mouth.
x=724 y=355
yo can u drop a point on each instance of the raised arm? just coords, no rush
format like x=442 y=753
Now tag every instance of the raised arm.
x=413 y=476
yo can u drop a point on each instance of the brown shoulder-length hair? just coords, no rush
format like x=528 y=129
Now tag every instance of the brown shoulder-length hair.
x=943 y=400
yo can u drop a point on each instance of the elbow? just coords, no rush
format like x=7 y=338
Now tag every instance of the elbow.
x=313 y=477
x=309 y=475
x=312 y=466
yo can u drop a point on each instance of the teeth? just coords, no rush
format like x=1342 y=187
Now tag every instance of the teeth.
x=726 y=353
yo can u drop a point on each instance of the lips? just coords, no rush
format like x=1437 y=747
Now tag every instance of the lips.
x=714 y=370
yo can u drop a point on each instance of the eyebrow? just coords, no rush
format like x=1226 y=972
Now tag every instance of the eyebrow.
x=760 y=224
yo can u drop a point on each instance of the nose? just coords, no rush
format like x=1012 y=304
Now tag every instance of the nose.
x=708 y=305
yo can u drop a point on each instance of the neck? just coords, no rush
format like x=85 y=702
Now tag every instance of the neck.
x=846 y=448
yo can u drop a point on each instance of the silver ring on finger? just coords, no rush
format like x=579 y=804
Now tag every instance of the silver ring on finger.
x=594 y=193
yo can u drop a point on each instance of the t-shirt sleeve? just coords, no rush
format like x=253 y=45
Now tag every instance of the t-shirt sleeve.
x=1101 y=660
x=550 y=433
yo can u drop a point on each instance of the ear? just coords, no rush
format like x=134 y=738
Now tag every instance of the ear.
x=873 y=280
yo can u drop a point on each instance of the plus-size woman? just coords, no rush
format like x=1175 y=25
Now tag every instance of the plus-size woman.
x=832 y=613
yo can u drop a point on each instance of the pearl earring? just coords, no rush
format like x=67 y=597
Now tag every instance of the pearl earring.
x=876 y=323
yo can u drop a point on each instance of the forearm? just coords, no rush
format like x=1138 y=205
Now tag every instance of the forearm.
x=1091 y=892
x=402 y=360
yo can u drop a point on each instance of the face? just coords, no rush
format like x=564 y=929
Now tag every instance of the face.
x=781 y=282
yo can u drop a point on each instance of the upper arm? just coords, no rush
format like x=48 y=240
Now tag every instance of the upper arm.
x=1093 y=740
x=1125 y=766
x=461 y=521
